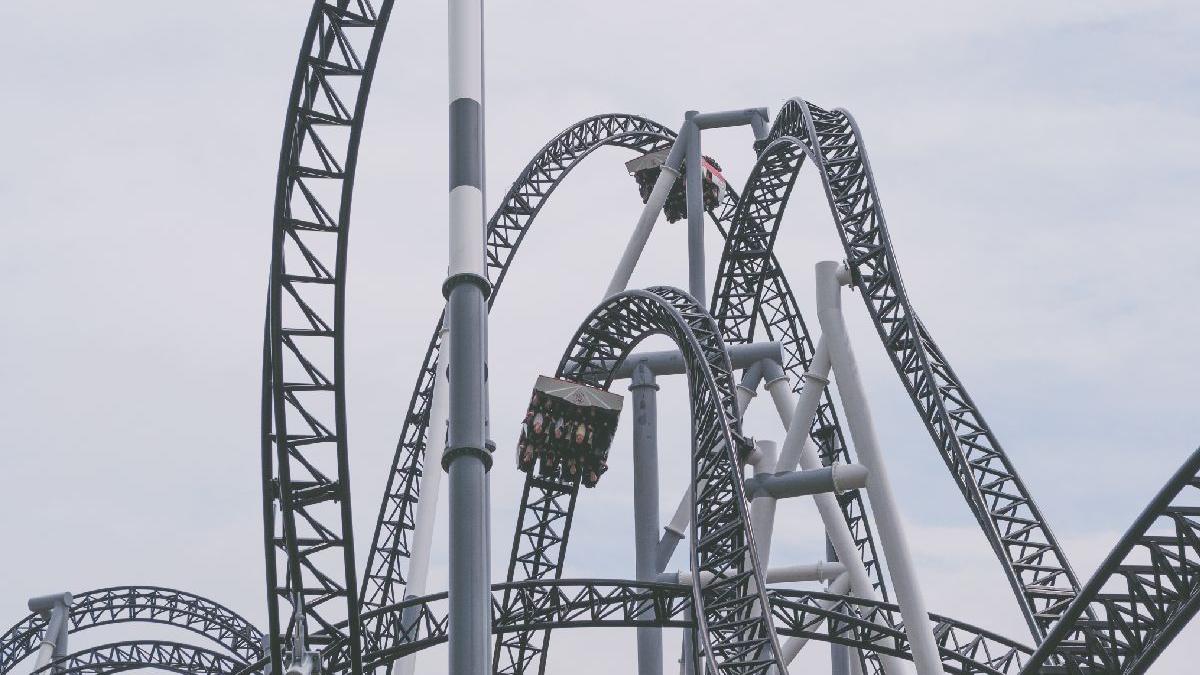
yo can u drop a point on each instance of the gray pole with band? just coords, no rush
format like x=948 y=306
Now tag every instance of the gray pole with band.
x=466 y=458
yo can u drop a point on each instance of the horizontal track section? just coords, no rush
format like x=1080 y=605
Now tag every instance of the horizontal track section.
x=420 y=623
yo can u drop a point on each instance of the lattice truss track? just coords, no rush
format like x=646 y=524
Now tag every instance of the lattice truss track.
x=1121 y=620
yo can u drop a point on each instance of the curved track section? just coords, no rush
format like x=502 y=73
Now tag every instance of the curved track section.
x=751 y=288
x=305 y=462
x=125 y=604
x=732 y=611
x=137 y=654
x=589 y=603
x=1144 y=592
x=384 y=579
x=1031 y=557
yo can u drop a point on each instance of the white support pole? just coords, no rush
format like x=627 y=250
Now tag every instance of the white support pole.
x=790 y=649
x=431 y=481
x=776 y=381
x=887 y=515
x=798 y=450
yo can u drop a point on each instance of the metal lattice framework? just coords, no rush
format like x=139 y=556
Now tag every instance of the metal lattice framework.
x=305 y=460
x=1029 y=553
x=118 y=657
x=1144 y=592
x=528 y=606
x=732 y=610
x=145 y=604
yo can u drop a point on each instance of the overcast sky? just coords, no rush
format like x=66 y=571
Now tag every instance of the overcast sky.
x=1038 y=163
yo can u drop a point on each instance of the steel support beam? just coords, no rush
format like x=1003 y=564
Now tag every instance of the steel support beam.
x=694 y=183
x=645 y=504
x=858 y=418
x=671 y=362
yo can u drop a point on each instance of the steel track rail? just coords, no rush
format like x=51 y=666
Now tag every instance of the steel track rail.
x=384 y=578
x=305 y=458
x=1033 y=561
x=524 y=606
x=732 y=611
x=118 y=657
x=752 y=289
x=139 y=604
x=780 y=316
x=1143 y=594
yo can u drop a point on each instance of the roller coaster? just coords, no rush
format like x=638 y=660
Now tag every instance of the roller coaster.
x=738 y=613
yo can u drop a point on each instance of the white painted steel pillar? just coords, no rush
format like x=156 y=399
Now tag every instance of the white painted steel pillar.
x=431 y=481
x=798 y=450
x=887 y=515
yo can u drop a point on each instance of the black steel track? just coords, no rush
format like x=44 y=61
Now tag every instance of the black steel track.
x=732 y=610
x=528 y=606
x=118 y=657
x=1143 y=594
x=751 y=290
x=141 y=604
x=1030 y=555
x=384 y=579
x=305 y=458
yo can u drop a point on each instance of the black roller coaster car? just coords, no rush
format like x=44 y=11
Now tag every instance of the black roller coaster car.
x=645 y=170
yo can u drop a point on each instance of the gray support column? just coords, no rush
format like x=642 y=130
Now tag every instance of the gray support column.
x=694 y=183
x=466 y=458
x=838 y=654
x=53 y=608
x=917 y=625
x=645 y=505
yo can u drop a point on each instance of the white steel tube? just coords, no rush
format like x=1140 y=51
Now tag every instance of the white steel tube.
x=792 y=646
x=776 y=382
x=798 y=451
x=762 y=509
x=887 y=515
x=431 y=481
